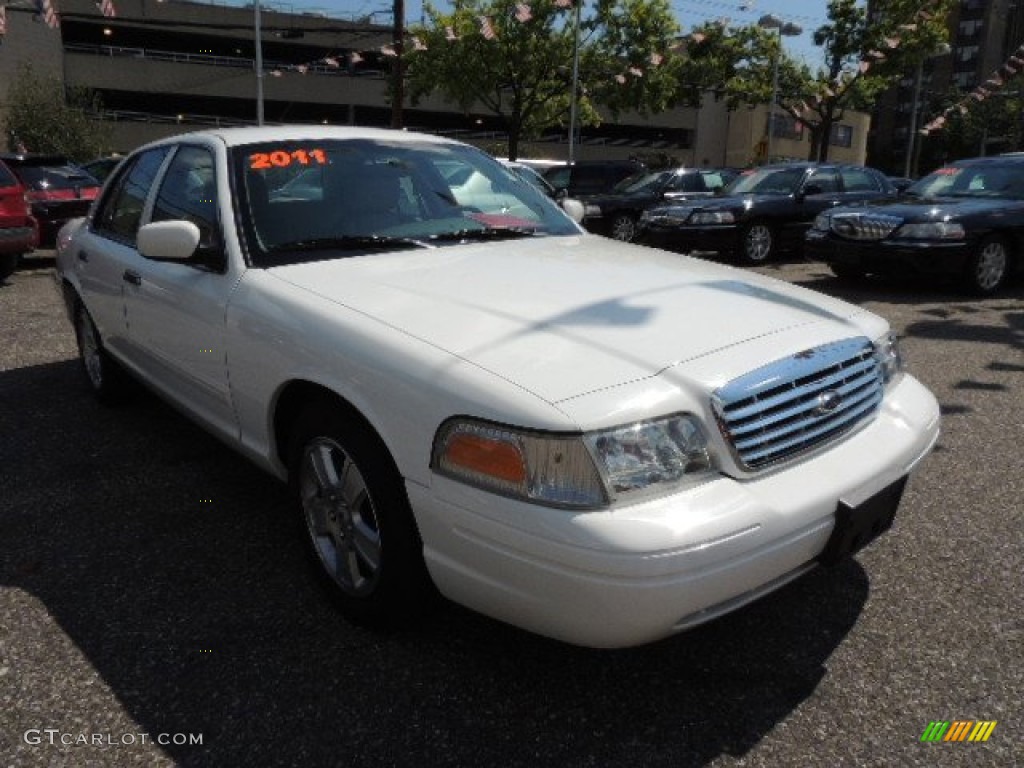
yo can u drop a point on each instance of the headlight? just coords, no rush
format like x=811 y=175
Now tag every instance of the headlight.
x=712 y=217
x=889 y=357
x=575 y=471
x=822 y=223
x=931 y=230
x=591 y=210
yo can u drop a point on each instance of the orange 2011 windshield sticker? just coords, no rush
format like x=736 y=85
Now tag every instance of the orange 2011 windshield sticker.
x=261 y=161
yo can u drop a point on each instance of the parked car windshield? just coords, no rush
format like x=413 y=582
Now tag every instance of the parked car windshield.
x=643 y=182
x=767 y=181
x=325 y=199
x=1002 y=180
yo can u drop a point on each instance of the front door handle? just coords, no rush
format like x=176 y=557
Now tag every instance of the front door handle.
x=132 y=277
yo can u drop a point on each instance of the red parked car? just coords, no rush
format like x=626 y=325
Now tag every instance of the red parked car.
x=57 y=190
x=18 y=231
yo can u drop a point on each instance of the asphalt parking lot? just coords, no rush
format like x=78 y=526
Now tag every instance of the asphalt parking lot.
x=152 y=589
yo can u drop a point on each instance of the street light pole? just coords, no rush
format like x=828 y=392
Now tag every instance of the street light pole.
x=259 y=62
x=578 y=4
x=789 y=29
x=913 y=143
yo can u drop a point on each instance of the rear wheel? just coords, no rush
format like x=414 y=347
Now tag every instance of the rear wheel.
x=987 y=268
x=623 y=227
x=8 y=263
x=108 y=381
x=757 y=243
x=360 y=532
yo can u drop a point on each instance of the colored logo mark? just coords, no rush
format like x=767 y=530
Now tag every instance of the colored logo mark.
x=958 y=730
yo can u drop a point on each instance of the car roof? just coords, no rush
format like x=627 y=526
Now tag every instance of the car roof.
x=233 y=137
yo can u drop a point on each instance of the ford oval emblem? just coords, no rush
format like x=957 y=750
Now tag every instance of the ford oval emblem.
x=828 y=401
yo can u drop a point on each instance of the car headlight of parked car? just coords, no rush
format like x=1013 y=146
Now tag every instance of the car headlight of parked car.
x=931 y=230
x=577 y=471
x=889 y=357
x=712 y=217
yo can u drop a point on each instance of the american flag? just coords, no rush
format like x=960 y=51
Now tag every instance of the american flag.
x=45 y=9
x=3 y=19
x=107 y=8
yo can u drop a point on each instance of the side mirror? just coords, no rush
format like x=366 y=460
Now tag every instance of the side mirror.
x=573 y=208
x=175 y=240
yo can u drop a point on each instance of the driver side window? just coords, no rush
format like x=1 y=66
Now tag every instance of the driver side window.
x=189 y=191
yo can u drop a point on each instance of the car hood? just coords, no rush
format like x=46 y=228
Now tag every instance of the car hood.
x=938 y=208
x=565 y=316
x=725 y=202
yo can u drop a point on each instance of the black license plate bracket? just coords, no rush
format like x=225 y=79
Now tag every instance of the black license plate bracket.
x=856 y=527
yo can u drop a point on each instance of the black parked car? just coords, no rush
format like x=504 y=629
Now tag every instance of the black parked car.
x=764 y=210
x=965 y=221
x=56 y=189
x=590 y=177
x=617 y=212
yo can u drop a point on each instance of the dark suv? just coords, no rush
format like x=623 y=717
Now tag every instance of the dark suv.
x=590 y=177
x=17 y=229
x=56 y=189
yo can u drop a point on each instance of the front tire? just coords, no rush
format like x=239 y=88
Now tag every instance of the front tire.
x=757 y=243
x=8 y=263
x=623 y=227
x=108 y=381
x=360 y=533
x=987 y=268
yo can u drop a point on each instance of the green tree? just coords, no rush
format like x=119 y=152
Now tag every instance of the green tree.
x=863 y=55
x=523 y=73
x=43 y=116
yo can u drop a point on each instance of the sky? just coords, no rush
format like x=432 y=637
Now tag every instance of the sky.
x=809 y=14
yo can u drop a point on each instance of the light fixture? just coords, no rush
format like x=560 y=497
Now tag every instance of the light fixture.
x=784 y=28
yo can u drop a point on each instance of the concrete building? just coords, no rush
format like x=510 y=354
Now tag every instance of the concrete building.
x=162 y=67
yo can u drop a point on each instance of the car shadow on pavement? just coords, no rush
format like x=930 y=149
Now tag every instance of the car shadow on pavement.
x=175 y=568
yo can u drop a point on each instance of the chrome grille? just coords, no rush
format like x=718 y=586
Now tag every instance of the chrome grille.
x=799 y=402
x=863 y=226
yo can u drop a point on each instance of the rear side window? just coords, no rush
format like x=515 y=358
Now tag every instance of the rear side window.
x=121 y=209
x=7 y=179
x=859 y=180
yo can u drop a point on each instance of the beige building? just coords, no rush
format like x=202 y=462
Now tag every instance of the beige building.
x=162 y=67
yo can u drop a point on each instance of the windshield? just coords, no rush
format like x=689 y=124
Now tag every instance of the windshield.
x=643 y=182
x=328 y=199
x=767 y=181
x=982 y=180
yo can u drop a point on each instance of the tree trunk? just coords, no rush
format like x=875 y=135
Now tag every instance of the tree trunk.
x=827 y=122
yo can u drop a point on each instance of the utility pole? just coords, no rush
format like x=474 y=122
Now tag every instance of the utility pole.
x=398 y=86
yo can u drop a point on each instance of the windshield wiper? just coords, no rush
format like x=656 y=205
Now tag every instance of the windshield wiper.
x=348 y=243
x=486 y=233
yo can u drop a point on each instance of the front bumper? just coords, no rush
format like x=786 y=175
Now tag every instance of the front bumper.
x=17 y=239
x=634 y=574
x=889 y=256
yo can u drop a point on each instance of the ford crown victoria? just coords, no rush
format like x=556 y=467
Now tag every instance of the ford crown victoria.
x=471 y=396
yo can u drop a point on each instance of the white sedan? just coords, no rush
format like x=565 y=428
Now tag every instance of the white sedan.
x=470 y=396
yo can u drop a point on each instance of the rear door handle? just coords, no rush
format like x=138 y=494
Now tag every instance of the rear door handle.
x=132 y=277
